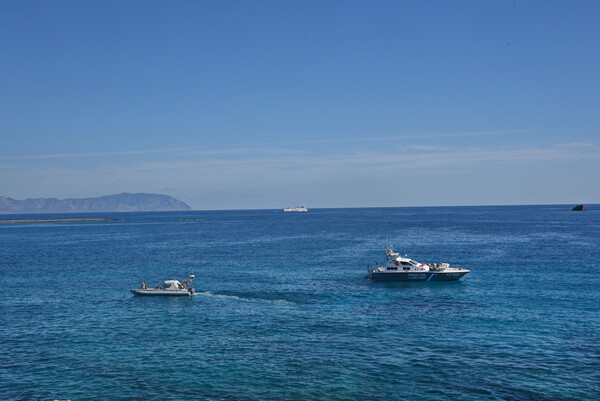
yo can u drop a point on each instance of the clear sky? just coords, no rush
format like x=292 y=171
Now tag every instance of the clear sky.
x=267 y=104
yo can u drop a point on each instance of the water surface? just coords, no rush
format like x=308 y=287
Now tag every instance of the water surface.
x=284 y=311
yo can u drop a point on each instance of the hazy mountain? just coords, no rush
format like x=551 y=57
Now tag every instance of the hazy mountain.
x=124 y=202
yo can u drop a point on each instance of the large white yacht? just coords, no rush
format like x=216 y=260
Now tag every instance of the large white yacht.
x=398 y=268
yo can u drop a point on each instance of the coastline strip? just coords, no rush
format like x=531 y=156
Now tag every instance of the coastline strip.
x=55 y=220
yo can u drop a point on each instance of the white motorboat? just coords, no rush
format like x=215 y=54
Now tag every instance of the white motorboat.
x=168 y=288
x=296 y=209
x=398 y=268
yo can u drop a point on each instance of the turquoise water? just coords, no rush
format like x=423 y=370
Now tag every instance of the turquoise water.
x=284 y=311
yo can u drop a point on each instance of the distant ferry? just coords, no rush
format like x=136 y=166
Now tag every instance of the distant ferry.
x=399 y=268
x=296 y=209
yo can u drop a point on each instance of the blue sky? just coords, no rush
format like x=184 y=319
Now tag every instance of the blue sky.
x=266 y=104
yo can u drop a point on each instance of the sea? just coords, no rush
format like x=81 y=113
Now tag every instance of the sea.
x=284 y=311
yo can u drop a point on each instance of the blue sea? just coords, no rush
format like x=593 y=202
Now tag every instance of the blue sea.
x=284 y=311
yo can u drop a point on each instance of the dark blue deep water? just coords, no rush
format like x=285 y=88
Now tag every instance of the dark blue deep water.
x=285 y=313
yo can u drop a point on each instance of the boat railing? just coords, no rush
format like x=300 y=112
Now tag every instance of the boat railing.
x=376 y=268
x=437 y=266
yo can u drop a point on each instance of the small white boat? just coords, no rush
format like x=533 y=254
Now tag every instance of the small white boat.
x=168 y=288
x=296 y=209
x=398 y=268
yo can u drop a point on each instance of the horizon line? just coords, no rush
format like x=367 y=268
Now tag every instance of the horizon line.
x=315 y=208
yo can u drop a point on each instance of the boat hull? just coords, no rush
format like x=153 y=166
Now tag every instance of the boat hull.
x=416 y=276
x=162 y=293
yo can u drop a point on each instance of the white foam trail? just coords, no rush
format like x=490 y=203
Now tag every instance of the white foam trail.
x=210 y=294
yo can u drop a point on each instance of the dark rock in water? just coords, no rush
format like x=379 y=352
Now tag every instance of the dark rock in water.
x=124 y=202
x=579 y=208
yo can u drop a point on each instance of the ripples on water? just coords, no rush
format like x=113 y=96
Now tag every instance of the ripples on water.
x=283 y=311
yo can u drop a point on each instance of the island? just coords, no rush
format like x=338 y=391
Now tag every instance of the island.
x=54 y=220
x=124 y=202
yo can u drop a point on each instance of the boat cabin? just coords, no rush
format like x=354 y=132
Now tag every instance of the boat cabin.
x=396 y=262
x=171 y=285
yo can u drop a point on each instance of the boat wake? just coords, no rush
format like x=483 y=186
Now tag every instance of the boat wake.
x=246 y=299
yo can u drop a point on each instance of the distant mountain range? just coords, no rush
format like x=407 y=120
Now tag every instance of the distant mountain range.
x=124 y=202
